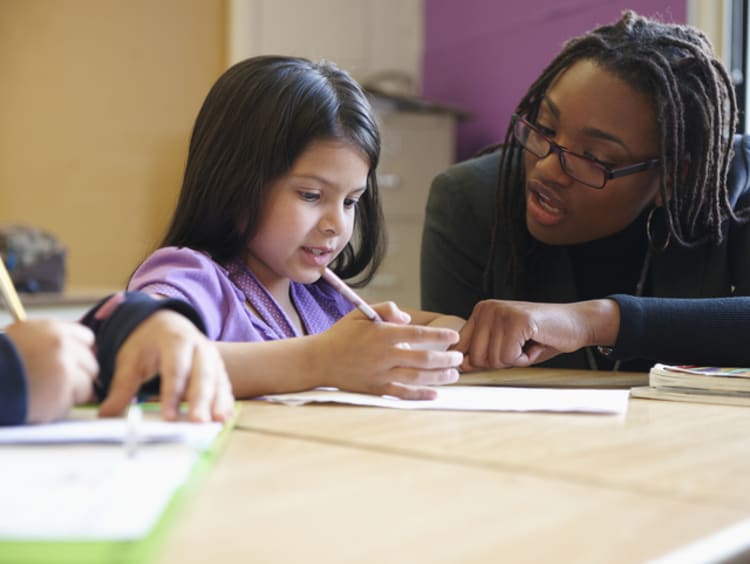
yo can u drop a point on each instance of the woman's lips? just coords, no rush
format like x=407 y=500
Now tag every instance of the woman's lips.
x=543 y=206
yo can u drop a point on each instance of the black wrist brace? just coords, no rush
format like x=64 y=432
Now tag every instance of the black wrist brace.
x=113 y=320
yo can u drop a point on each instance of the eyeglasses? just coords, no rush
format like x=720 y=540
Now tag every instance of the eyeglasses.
x=585 y=170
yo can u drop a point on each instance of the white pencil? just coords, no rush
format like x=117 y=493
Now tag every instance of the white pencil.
x=350 y=295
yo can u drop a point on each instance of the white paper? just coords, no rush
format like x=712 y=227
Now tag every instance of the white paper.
x=74 y=481
x=86 y=493
x=111 y=431
x=478 y=398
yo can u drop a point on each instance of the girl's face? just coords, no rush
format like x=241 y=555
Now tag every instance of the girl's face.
x=309 y=215
x=590 y=111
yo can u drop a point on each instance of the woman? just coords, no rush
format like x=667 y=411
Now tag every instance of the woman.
x=612 y=179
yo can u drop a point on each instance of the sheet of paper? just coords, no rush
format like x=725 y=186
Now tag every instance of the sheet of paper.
x=74 y=480
x=87 y=492
x=478 y=398
x=110 y=431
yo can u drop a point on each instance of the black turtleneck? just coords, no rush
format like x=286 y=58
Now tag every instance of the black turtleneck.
x=612 y=265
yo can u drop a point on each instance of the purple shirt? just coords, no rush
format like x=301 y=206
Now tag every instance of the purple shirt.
x=220 y=294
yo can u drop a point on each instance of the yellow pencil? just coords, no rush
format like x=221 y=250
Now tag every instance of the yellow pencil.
x=10 y=295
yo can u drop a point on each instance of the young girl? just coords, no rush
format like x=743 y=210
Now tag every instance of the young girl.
x=614 y=178
x=279 y=183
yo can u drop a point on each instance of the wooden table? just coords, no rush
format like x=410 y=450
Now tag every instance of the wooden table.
x=353 y=484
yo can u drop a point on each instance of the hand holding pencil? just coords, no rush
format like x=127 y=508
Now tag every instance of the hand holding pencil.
x=57 y=357
x=374 y=358
x=58 y=363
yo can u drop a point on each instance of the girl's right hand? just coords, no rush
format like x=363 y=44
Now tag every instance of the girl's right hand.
x=360 y=355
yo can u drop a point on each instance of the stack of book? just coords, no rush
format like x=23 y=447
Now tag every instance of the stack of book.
x=705 y=384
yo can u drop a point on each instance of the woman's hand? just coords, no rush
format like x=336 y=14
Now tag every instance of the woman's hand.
x=500 y=334
x=386 y=358
x=60 y=365
x=168 y=344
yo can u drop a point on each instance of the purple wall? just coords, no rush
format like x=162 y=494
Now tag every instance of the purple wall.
x=482 y=55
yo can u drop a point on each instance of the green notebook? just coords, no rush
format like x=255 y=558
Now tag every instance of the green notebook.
x=85 y=499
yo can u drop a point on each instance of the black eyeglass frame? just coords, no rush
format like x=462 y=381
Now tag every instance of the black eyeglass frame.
x=608 y=172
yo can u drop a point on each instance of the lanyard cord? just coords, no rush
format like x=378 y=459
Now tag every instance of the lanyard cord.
x=590 y=358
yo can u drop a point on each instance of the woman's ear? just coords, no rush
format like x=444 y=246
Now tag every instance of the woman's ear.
x=683 y=176
x=683 y=173
x=658 y=201
x=684 y=168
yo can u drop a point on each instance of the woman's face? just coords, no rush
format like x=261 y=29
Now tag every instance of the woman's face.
x=590 y=111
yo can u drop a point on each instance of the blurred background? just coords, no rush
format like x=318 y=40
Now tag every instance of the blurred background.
x=98 y=97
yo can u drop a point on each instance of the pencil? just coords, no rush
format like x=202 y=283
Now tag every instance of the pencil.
x=10 y=295
x=133 y=422
x=350 y=295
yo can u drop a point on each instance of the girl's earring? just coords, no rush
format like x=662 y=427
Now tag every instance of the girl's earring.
x=650 y=233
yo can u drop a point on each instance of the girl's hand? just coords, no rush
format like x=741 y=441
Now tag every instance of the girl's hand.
x=386 y=358
x=500 y=334
x=190 y=366
x=60 y=365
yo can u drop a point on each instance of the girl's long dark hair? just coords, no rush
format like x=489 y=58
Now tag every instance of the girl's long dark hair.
x=697 y=112
x=257 y=119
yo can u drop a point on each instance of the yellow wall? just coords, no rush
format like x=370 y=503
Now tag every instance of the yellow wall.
x=97 y=100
